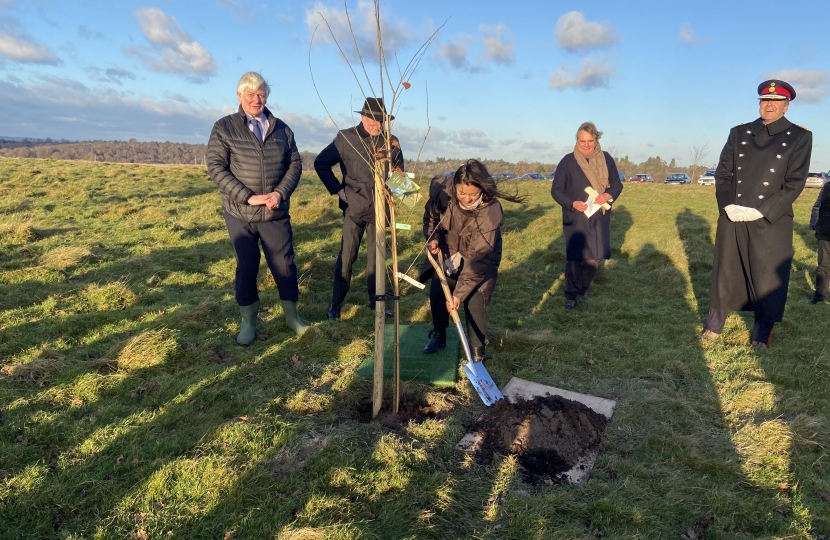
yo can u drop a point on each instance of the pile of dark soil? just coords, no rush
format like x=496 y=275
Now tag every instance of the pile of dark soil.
x=547 y=434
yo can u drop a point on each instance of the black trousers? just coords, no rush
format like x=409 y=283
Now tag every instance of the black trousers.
x=474 y=310
x=277 y=242
x=349 y=246
x=761 y=330
x=578 y=276
x=823 y=269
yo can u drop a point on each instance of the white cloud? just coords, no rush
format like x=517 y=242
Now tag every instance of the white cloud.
x=455 y=54
x=171 y=49
x=332 y=24
x=69 y=109
x=19 y=47
x=85 y=33
x=592 y=75
x=112 y=75
x=573 y=32
x=496 y=47
x=811 y=86
x=686 y=34
x=241 y=10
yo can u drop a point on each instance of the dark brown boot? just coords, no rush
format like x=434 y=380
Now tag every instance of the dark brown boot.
x=479 y=355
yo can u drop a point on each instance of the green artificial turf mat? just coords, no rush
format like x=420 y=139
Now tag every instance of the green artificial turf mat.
x=439 y=369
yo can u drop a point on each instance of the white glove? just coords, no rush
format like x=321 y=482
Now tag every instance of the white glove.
x=751 y=214
x=741 y=213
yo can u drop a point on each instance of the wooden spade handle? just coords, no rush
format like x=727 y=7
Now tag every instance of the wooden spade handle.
x=439 y=272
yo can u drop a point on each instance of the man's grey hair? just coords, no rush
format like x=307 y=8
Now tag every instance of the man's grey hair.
x=589 y=127
x=252 y=81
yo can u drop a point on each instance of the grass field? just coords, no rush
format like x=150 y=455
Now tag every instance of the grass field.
x=128 y=411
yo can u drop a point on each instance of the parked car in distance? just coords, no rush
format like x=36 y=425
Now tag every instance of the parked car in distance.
x=708 y=178
x=641 y=178
x=504 y=176
x=622 y=176
x=678 y=178
x=533 y=176
x=816 y=179
x=550 y=176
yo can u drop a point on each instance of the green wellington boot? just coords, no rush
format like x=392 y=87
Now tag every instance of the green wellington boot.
x=292 y=318
x=247 y=329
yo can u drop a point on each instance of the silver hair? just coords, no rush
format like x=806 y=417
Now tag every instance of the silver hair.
x=589 y=127
x=252 y=81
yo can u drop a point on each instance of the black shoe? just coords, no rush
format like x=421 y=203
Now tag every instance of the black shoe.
x=479 y=355
x=387 y=312
x=570 y=304
x=437 y=340
x=818 y=298
x=582 y=297
x=333 y=312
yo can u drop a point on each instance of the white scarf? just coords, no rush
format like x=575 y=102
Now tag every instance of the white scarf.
x=474 y=205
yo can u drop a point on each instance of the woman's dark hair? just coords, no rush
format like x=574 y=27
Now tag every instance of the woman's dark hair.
x=474 y=173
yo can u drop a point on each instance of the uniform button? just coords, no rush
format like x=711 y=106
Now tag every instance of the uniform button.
x=744 y=142
x=788 y=133
x=739 y=194
x=739 y=181
x=778 y=156
x=739 y=168
x=783 y=144
x=740 y=155
x=748 y=131
x=766 y=183
x=760 y=196
x=772 y=170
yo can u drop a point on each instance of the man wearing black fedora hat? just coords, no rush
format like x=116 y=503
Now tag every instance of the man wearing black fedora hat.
x=761 y=172
x=356 y=150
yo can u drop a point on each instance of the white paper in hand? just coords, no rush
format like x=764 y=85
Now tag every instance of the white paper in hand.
x=592 y=207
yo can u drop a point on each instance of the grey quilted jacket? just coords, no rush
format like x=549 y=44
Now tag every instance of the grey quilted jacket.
x=242 y=167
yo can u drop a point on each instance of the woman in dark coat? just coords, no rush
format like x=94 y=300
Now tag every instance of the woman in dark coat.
x=462 y=220
x=588 y=175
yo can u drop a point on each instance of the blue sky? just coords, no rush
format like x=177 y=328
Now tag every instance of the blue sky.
x=508 y=80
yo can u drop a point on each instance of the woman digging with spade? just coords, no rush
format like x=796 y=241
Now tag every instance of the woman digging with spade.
x=462 y=221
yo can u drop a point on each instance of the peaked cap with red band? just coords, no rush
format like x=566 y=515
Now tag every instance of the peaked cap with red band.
x=775 y=89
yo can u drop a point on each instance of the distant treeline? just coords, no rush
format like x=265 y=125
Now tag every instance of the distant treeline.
x=133 y=151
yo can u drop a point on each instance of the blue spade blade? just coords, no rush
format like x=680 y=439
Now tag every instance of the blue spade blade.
x=482 y=382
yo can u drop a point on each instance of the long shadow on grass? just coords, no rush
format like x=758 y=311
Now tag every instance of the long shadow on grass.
x=636 y=340
x=808 y=236
x=80 y=490
x=669 y=437
x=696 y=235
x=695 y=232
x=90 y=472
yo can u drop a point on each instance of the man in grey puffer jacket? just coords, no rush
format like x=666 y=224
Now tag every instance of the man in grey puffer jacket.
x=253 y=158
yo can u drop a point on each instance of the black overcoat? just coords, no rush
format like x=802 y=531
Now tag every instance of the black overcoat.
x=356 y=152
x=585 y=237
x=762 y=167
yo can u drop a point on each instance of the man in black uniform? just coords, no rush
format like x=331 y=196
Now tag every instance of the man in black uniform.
x=356 y=150
x=761 y=172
